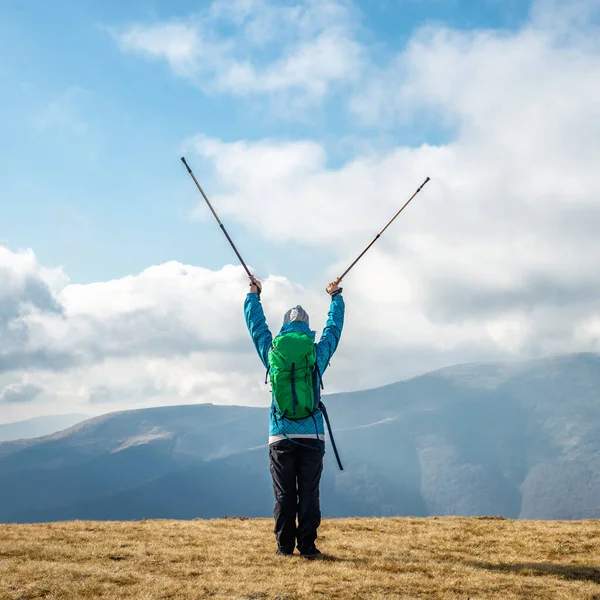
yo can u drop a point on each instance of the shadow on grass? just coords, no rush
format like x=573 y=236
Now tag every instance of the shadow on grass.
x=573 y=572
x=356 y=560
x=331 y=558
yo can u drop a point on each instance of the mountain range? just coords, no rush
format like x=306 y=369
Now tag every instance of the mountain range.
x=518 y=439
x=38 y=426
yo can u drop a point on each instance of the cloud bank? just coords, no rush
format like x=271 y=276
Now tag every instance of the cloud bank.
x=496 y=259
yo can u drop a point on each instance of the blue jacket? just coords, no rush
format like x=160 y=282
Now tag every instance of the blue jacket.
x=263 y=339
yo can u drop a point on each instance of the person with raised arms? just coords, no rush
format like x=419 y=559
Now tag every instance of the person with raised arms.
x=295 y=365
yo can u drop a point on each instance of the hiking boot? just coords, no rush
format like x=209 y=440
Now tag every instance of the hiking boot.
x=284 y=552
x=313 y=553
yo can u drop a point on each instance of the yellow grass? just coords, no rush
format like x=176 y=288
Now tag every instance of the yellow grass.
x=446 y=558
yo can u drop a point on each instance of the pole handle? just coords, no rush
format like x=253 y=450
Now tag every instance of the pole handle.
x=423 y=184
x=186 y=165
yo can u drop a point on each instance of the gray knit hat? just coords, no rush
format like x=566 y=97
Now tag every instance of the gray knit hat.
x=296 y=314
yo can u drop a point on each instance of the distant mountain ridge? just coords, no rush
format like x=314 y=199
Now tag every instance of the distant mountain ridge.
x=38 y=426
x=519 y=439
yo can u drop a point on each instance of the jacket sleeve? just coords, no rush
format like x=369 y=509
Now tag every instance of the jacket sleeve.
x=258 y=328
x=330 y=338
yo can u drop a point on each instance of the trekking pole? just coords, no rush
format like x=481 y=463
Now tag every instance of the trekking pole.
x=218 y=220
x=339 y=279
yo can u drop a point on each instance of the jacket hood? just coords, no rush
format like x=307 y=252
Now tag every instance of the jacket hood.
x=297 y=327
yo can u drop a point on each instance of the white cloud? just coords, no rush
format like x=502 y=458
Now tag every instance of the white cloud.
x=266 y=182
x=176 y=334
x=247 y=47
x=172 y=334
x=496 y=258
x=500 y=250
x=166 y=310
x=20 y=392
x=178 y=43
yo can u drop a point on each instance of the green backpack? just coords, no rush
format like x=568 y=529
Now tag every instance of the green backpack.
x=292 y=360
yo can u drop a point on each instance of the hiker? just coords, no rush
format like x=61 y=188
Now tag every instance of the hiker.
x=296 y=445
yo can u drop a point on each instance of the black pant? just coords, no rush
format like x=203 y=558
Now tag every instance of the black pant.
x=296 y=471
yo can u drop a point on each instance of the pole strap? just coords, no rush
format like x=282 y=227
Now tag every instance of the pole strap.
x=335 y=450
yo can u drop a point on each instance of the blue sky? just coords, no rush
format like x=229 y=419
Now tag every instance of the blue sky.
x=308 y=122
x=89 y=173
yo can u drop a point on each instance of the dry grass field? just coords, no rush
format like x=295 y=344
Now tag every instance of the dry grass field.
x=437 y=558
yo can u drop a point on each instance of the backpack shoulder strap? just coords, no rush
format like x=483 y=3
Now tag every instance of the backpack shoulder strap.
x=293 y=384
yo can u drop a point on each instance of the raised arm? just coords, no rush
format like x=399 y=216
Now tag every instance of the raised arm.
x=332 y=333
x=257 y=323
